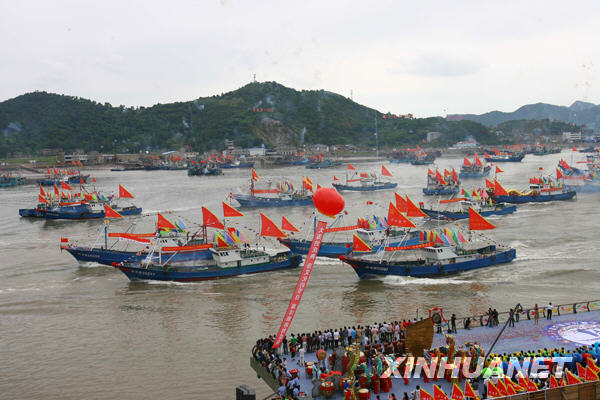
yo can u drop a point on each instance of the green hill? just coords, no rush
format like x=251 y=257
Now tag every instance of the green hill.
x=256 y=113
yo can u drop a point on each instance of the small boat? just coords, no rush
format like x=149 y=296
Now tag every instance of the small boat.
x=227 y=262
x=366 y=182
x=77 y=210
x=56 y=179
x=204 y=170
x=237 y=164
x=302 y=161
x=484 y=208
x=323 y=164
x=474 y=169
x=430 y=261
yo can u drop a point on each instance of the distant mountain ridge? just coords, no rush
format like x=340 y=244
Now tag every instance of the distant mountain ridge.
x=580 y=112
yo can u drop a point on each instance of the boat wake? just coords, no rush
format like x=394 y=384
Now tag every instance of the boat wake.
x=403 y=281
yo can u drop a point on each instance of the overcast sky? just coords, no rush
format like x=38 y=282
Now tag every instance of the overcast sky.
x=421 y=57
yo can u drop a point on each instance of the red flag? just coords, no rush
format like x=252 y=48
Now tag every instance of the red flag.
x=438 y=393
x=350 y=167
x=469 y=392
x=498 y=170
x=64 y=240
x=335 y=178
x=254 y=175
x=574 y=149
x=425 y=395
x=486 y=155
x=79 y=163
x=400 y=203
x=477 y=161
x=268 y=227
x=65 y=186
x=94 y=179
x=287 y=225
x=492 y=390
x=502 y=388
x=54 y=171
x=488 y=183
x=553 y=382
x=210 y=220
x=531 y=386
x=467 y=162
x=221 y=242
x=564 y=164
x=454 y=175
x=55 y=190
x=81 y=182
x=477 y=222
x=48 y=170
x=438 y=176
x=457 y=394
x=384 y=171
x=580 y=371
x=42 y=193
x=430 y=172
x=412 y=210
x=590 y=374
x=41 y=199
x=229 y=211
x=395 y=218
x=110 y=213
x=164 y=223
x=359 y=245
x=559 y=174
x=499 y=190
x=124 y=194
x=73 y=162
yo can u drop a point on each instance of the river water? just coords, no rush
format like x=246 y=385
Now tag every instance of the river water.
x=71 y=331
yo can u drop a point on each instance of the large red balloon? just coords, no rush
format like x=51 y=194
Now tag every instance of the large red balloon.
x=328 y=201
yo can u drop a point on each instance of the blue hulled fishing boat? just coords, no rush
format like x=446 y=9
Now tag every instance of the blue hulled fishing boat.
x=365 y=182
x=8 y=180
x=228 y=262
x=85 y=211
x=438 y=185
x=539 y=192
x=281 y=194
x=430 y=261
x=504 y=157
x=484 y=208
x=474 y=169
x=323 y=164
x=237 y=164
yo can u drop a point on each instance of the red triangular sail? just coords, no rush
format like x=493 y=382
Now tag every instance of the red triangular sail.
x=359 y=245
x=412 y=210
x=395 y=218
x=164 y=223
x=110 y=213
x=384 y=171
x=499 y=190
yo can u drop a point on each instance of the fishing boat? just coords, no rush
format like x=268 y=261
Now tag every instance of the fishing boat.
x=431 y=261
x=483 y=207
x=537 y=193
x=323 y=164
x=8 y=180
x=204 y=170
x=237 y=164
x=375 y=238
x=365 y=182
x=293 y=161
x=504 y=157
x=280 y=194
x=227 y=262
x=474 y=169
x=438 y=185
x=56 y=179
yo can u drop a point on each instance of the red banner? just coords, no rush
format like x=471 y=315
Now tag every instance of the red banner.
x=342 y=229
x=302 y=282
x=261 y=191
x=415 y=246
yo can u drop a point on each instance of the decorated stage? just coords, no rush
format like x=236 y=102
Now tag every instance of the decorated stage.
x=568 y=331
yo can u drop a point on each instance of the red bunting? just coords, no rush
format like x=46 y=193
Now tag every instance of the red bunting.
x=384 y=171
x=110 y=213
x=287 y=225
x=492 y=390
x=229 y=211
x=254 y=175
x=590 y=374
x=572 y=379
x=469 y=392
x=457 y=394
x=425 y=395
x=438 y=393
x=210 y=220
x=268 y=228
x=124 y=194
x=477 y=222
x=559 y=174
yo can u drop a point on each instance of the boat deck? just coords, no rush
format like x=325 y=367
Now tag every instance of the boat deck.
x=562 y=331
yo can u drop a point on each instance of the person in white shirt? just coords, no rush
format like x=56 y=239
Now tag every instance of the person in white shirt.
x=549 y=309
x=301 y=356
x=336 y=338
